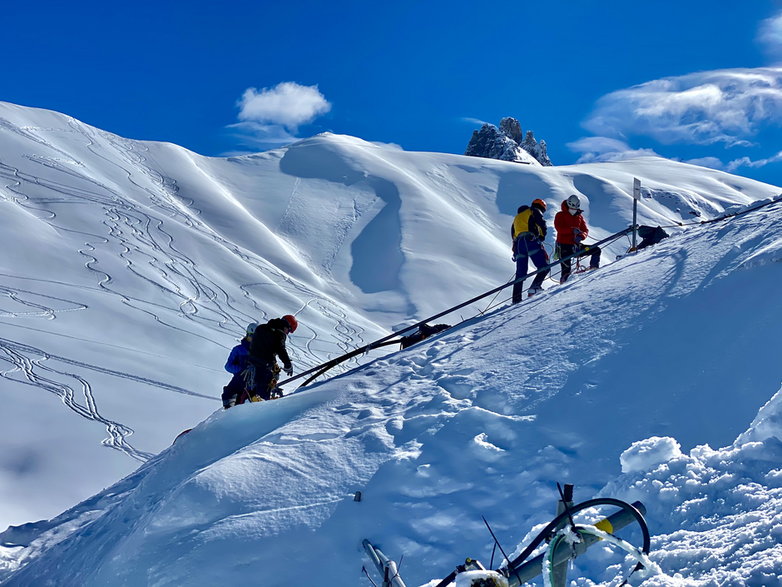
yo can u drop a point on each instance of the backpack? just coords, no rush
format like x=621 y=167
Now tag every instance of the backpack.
x=651 y=235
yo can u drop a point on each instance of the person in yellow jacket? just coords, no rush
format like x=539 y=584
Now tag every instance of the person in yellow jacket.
x=528 y=232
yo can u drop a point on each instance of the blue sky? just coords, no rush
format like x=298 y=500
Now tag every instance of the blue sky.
x=695 y=80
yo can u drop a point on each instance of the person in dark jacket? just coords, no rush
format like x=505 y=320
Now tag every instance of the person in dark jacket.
x=237 y=362
x=423 y=332
x=571 y=232
x=268 y=344
x=528 y=232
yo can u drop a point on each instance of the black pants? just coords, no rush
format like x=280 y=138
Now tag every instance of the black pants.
x=233 y=390
x=564 y=250
x=265 y=380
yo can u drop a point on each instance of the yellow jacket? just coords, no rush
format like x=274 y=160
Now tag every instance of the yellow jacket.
x=529 y=220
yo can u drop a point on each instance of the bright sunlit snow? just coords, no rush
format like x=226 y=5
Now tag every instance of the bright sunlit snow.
x=131 y=268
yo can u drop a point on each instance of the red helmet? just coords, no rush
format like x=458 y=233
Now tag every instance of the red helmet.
x=540 y=203
x=291 y=320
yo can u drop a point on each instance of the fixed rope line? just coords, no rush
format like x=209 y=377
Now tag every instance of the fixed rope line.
x=482 y=312
x=774 y=200
x=389 y=339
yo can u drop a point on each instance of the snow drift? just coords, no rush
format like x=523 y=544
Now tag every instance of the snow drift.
x=151 y=258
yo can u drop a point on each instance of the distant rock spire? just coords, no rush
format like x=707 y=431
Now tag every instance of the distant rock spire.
x=505 y=143
x=511 y=128
x=536 y=149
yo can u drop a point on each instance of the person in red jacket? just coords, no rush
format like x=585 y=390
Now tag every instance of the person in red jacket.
x=571 y=231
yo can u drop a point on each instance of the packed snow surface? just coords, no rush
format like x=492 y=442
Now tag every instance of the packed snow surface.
x=132 y=267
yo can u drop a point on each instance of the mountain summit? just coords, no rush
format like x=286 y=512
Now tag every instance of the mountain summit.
x=505 y=143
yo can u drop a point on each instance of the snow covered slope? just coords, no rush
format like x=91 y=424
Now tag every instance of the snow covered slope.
x=132 y=268
x=663 y=350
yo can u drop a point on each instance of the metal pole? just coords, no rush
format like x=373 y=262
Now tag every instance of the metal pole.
x=559 y=572
x=385 y=565
x=636 y=197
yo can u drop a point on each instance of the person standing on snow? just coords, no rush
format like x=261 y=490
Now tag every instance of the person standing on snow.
x=237 y=362
x=528 y=232
x=571 y=231
x=269 y=343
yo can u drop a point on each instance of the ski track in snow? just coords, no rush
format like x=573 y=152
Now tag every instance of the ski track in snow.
x=35 y=301
x=395 y=408
x=149 y=252
x=32 y=372
x=348 y=335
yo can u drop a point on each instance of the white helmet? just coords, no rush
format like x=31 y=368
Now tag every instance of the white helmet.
x=574 y=203
x=250 y=330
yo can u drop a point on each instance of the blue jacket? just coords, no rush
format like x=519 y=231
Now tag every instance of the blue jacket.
x=238 y=359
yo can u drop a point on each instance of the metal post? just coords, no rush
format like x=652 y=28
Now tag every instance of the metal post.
x=384 y=565
x=559 y=572
x=636 y=197
x=532 y=568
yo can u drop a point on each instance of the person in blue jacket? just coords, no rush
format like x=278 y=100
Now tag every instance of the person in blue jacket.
x=237 y=362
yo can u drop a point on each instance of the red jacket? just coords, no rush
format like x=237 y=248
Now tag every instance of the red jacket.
x=568 y=225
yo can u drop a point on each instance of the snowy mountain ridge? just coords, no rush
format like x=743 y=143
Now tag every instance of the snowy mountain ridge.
x=161 y=255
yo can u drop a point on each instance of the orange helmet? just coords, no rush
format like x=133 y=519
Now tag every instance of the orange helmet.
x=539 y=203
x=292 y=322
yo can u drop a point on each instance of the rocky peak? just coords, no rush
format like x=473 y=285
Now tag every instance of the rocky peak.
x=511 y=128
x=536 y=149
x=505 y=143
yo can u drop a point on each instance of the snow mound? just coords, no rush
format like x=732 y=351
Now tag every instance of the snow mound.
x=648 y=453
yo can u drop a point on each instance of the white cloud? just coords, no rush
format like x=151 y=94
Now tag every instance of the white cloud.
x=287 y=104
x=770 y=36
x=711 y=162
x=727 y=106
x=271 y=117
x=257 y=135
x=595 y=149
x=731 y=166
x=471 y=120
x=747 y=162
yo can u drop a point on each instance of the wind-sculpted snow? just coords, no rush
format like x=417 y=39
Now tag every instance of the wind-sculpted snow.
x=483 y=420
x=102 y=238
x=136 y=266
x=718 y=512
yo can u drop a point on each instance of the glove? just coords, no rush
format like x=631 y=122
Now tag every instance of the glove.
x=288 y=370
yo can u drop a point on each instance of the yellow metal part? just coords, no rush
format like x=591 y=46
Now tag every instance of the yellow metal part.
x=605 y=526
